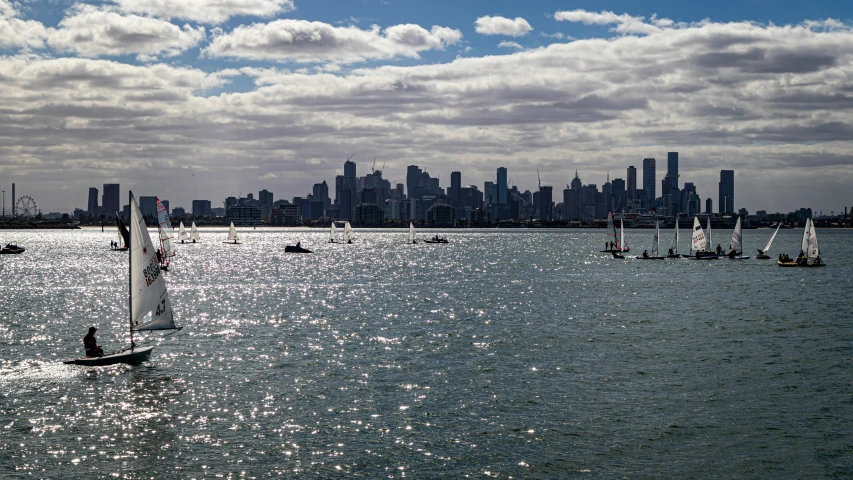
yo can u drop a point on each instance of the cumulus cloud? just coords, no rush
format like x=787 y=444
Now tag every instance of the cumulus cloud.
x=16 y=32
x=506 y=44
x=624 y=23
x=206 y=11
x=517 y=27
x=316 y=42
x=92 y=32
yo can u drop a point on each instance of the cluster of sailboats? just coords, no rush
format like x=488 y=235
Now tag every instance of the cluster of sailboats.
x=701 y=245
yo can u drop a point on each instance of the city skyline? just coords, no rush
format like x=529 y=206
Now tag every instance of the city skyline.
x=207 y=99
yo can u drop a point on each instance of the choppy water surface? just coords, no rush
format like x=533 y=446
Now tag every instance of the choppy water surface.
x=522 y=354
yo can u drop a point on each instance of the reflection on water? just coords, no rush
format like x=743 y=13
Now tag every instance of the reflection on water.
x=511 y=354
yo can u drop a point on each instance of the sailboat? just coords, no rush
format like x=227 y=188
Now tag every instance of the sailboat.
x=348 y=232
x=194 y=233
x=232 y=235
x=736 y=247
x=412 y=238
x=333 y=233
x=123 y=235
x=699 y=244
x=167 y=247
x=762 y=253
x=182 y=233
x=673 y=251
x=655 y=246
x=148 y=300
x=809 y=250
x=611 y=238
x=620 y=248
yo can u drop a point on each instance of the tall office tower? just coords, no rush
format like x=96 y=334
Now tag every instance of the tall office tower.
x=413 y=178
x=265 y=198
x=709 y=206
x=349 y=169
x=607 y=193
x=727 y=191
x=501 y=181
x=619 y=195
x=546 y=202
x=321 y=194
x=649 y=180
x=672 y=169
x=455 y=189
x=487 y=193
x=201 y=208
x=93 y=201
x=148 y=206
x=632 y=183
x=14 y=207
x=570 y=204
x=110 y=203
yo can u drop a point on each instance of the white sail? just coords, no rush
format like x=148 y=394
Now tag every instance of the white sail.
x=624 y=246
x=348 y=232
x=232 y=234
x=767 y=247
x=411 y=233
x=699 y=241
x=167 y=247
x=333 y=233
x=804 y=246
x=813 y=250
x=736 y=238
x=194 y=233
x=149 y=302
x=656 y=241
x=675 y=242
x=182 y=232
x=610 y=236
x=708 y=245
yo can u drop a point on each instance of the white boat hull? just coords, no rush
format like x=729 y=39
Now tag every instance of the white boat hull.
x=130 y=357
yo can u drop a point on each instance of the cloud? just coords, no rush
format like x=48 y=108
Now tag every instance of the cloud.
x=624 y=23
x=206 y=11
x=517 y=27
x=16 y=32
x=92 y=32
x=315 y=42
x=506 y=44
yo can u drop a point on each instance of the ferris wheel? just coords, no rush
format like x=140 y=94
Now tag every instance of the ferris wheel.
x=26 y=206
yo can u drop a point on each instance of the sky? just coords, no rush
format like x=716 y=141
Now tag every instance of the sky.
x=203 y=99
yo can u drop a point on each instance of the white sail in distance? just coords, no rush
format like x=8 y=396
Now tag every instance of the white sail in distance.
x=699 y=241
x=708 y=246
x=149 y=302
x=610 y=236
x=411 y=233
x=656 y=242
x=624 y=245
x=736 y=238
x=194 y=233
x=167 y=247
x=813 y=250
x=333 y=233
x=767 y=247
x=348 y=232
x=804 y=246
x=182 y=232
x=232 y=234
x=675 y=241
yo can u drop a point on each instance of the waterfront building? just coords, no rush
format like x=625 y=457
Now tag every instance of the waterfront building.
x=93 y=202
x=366 y=214
x=201 y=208
x=265 y=197
x=632 y=185
x=244 y=214
x=110 y=203
x=440 y=215
x=727 y=192
x=649 y=180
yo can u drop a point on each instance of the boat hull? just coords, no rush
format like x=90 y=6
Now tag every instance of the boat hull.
x=762 y=257
x=436 y=241
x=649 y=258
x=675 y=255
x=12 y=251
x=801 y=265
x=129 y=357
x=295 y=249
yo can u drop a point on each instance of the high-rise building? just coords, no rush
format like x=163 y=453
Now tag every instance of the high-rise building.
x=727 y=191
x=487 y=193
x=201 y=208
x=672 y=169
x=266 y=200
x=649 y=180
x=709 y=206
x=148 y=206
x=546 y=202
x=453 y=192
x=502 y=186
x=110 y=202
x=413 y=178
x=321 y=194
x=349 y=169
x=632 y=184
x=570 y=204
x=620 y=196
x=93 y=202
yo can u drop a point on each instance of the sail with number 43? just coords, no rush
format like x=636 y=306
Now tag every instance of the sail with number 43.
x=699 y=241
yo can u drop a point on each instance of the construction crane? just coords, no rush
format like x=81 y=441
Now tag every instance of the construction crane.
x=350 y=157
x=539 y=179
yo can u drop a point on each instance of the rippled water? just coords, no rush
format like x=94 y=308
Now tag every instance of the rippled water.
x=519 y=354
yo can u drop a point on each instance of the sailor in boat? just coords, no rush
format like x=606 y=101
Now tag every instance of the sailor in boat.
x=349 y=241
x=159 y=256
x=732 y=254
x=645 y=254
x=193 y=240
x=90 y=344
x=671 y=252
x=182 y=240
x=719 y=249
x=299 y=244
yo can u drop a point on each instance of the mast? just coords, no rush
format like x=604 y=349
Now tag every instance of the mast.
x=130 y=275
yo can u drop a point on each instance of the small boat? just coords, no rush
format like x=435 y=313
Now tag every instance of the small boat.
x=348 y=235
x=194 y=234
x=123 y=235
x=148 y=299
x=12 y=249
x=762 y=254
x=167 y=246
x=617 y=255
x=436 y=239
x=333 y=234
x=182 y=233
x=623 y=247
x=233 y=239
x=735 y=247
x=412 y=239
x=700 y=243
x=655 y=246
x=673 y=251
x=611 y=238
x=296 y=249
x=809 y=252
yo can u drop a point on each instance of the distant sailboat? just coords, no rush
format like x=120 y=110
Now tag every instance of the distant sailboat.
x=348 y=233
x=412 y=238
x=194 y=234
x=700 y=243
x=624 y=245
x=233 y=239
x=150 y=308
x=736 y=246
x=673 y=251
x=123 y=234
x=655 y=246
x=167 y=246
x=611 y=238
x=762 y=253
x=333 y=233
x=809 y=250
x=182 y=233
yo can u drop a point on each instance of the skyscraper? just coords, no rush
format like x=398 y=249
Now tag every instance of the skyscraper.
x=201 y=208
x=545 y=203
x=672 y=169
x=501 y=181
x=727 y=191
x=93 y=201
x=632 y=183
x=649 y=180
x=413 y=178
x=265 y=198
x=455 y=188
x=619 y=194
x=349 y=169
x=321 y=194
x=110 y=203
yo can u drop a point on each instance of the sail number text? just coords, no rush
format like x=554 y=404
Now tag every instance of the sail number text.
x=151 y=272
